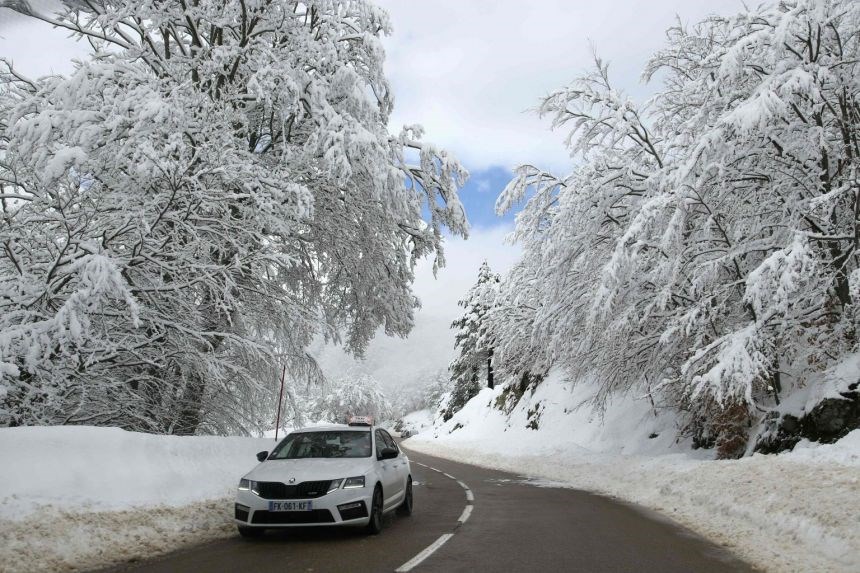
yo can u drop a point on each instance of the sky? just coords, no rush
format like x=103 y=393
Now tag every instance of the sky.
x=471 y=72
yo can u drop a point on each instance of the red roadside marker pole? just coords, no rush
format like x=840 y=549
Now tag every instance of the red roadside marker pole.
x=280 y=399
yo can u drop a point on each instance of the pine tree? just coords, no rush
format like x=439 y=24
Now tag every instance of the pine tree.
x=473 y=341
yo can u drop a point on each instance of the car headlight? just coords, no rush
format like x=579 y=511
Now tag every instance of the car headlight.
x=353 y=482
x=247 y=484
x=335 y=484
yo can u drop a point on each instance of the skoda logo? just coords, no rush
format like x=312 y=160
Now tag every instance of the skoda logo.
x=292 y=480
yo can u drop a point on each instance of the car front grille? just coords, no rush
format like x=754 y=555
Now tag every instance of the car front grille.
x=304 y=490
x=262 y=517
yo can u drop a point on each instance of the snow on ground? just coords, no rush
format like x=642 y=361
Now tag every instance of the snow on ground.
x=415 y=422
x=798 y=511
x=60 y=540
x=75 y=498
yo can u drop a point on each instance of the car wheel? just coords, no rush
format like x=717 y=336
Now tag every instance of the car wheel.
x=406 y=507
x=249 y=532
x=375 y=524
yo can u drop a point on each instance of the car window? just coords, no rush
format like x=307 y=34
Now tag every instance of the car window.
x=380 y=442
x=389 y=441
x=331 y=444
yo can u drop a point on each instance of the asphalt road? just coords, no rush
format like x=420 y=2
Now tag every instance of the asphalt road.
x=514 y=525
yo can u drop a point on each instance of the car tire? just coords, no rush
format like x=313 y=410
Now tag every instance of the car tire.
x=250 y=532
x=406 y=507
x=374 y=526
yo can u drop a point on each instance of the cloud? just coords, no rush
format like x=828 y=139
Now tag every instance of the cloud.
x=397 y=362
x=470 y=71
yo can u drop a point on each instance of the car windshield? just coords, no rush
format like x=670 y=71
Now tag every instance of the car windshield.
x=332 y=444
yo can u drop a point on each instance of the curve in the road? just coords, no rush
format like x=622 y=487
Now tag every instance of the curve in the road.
x=433 y=547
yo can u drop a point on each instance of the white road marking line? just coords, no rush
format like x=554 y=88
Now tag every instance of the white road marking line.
x=464 y=517
x=428 y=467
x=469 y=495
x=427 y=552
x=466 y=513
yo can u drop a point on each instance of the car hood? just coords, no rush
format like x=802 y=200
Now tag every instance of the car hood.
x=310 y=469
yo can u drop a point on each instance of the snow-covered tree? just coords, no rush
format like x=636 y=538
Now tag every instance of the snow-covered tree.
x=473 y=341
x=211 y=188
x=435 y=393
x=352 y=396
x=703 y=251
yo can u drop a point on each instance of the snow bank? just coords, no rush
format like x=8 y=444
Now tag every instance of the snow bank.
x=792 y=512
x=79 y=497
x=83 y=541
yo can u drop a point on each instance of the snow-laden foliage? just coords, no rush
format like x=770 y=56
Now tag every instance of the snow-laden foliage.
x=436 y=392
x=473 y=341
x=211 y=188
x=360 y=395
x=703 y=250
x=424 y=391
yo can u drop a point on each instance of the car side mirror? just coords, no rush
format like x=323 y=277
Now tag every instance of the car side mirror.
x=261 y=456
x=388 y=454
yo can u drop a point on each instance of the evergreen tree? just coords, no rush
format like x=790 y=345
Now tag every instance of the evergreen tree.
x=473 y=341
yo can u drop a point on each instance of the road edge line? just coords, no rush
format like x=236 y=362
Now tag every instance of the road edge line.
x=425 y=553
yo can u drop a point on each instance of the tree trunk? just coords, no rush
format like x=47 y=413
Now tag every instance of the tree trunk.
x=490 y=383
x=776 y=380
x=190 y=408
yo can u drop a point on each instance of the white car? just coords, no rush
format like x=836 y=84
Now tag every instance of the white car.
x=326 y=475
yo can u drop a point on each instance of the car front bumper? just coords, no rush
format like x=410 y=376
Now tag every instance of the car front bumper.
x=340 y=507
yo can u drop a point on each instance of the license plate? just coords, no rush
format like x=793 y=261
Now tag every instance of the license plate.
x=290 y=506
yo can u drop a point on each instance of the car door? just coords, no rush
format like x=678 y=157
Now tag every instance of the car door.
x=387 y=472
x=399 y=464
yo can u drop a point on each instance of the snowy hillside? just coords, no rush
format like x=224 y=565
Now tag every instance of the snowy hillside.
x=82 y=497
x=790 y=512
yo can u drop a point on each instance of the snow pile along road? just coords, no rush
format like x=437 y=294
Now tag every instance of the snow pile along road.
x=796 y=511
x=75 y=498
